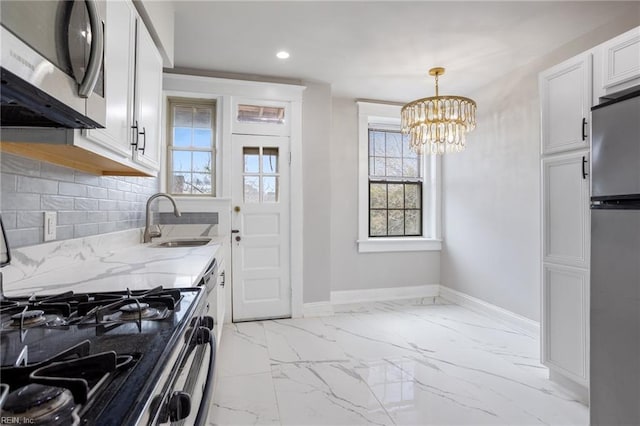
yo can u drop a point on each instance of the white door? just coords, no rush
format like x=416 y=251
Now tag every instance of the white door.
x=260 y=247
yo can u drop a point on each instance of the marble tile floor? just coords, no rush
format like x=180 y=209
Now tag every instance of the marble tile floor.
x=408 y=362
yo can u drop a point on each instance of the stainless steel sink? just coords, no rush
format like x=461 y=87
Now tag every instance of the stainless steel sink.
x=183 y=242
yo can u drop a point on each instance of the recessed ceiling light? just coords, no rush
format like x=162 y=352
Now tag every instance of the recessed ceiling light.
x=282 y=54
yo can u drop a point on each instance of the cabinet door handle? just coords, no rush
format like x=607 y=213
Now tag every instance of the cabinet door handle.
x=584 y=169
x=584 y=129
x=135 y=134
x=144 y=140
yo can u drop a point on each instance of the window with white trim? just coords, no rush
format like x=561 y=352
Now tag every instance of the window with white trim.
x=399 y=191
x=191 y=147
x=395 y=185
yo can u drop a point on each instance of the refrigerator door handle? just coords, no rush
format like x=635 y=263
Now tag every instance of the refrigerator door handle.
x=584 y=169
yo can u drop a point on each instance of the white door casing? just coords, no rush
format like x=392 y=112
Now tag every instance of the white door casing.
x=261 y=247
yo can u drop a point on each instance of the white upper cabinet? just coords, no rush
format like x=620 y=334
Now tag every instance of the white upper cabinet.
x=617 y=64
x=148 y=100
x=565 y=98
x=119 y=69
x=133 y=80
x=621 y=58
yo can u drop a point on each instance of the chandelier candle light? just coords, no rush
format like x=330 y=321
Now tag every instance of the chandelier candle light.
x=439 y=122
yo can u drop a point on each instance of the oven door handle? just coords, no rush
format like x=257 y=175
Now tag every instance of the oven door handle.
x=201 y=418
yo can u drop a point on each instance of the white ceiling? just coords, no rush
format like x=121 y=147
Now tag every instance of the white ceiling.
x=380 y=50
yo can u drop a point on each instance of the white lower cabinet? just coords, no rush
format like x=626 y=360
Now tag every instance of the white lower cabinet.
x=221 y=302
x=565 y=313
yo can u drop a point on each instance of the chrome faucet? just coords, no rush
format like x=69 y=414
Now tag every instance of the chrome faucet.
x=148 y=233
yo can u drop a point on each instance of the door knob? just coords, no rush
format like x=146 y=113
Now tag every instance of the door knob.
x=238 y=238
x=236 y=209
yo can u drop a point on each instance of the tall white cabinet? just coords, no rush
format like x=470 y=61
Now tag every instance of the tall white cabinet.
x=567 y=93
x=566 y=98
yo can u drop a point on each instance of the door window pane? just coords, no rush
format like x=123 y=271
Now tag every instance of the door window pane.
x=270 y=160
x=252 y=189
x=269 y=189
x=251 y=160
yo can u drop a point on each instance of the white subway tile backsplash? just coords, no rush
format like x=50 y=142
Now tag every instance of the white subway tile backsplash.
x=86 y=229
x=30 y=220
x=24 y=237
x=19 y=165
x=74 y=189
x=72 y=217
x=54 y=172
x=86 y=204
x=55 y=202
x=8 y=183
x=36 y=185
x=19 y=201
x=93 y=192
x=9 y=220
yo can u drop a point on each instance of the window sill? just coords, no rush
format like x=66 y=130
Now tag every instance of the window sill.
x=380 y=245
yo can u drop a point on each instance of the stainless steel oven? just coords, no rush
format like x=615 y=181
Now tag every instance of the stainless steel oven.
x=52 y=63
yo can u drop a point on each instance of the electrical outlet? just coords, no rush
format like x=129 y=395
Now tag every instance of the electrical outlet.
x=50 y=223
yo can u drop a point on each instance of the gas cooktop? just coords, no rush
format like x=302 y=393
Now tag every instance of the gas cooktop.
x=94 y=358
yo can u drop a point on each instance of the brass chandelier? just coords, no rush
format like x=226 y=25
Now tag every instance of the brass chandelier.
x=438 y=124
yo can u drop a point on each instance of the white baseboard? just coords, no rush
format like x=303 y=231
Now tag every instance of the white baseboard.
x=317 y=309
x=580 y=392
x=526 y=325
x=382 y=294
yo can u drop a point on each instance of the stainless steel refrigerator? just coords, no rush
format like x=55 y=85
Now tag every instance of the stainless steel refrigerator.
x=615 y=262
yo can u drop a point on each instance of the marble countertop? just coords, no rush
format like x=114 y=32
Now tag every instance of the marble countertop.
x=136 y=267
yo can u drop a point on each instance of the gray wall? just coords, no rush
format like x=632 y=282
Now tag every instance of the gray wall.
x=86 y=204
x=351 y=270
x=316 y=159
x=491 y=211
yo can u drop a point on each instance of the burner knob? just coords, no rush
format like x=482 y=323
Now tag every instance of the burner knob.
x=179 y=406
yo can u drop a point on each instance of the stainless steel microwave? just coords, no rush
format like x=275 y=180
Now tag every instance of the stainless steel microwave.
x=51 y=55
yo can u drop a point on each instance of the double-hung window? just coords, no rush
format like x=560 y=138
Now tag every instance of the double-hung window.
x=191 y=147
x=398 y=188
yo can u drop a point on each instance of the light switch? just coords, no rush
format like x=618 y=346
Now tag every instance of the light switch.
x=50 y=223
